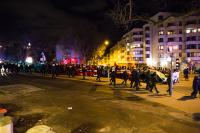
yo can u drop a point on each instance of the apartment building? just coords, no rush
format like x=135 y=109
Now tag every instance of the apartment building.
x=176 y=37
x=171 y=36
x=129 y=50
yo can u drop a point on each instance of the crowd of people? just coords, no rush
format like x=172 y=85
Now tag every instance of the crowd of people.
x=136 y=75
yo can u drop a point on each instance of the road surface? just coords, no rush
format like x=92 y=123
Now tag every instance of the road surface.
x=79 y=107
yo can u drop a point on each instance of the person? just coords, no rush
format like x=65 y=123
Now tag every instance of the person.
x=153 y=83
x=132 y=78
x=69 y=71
x=139 y=74
x=178 y=75
x=3 y=73
x=98 y=74
x=195 y=86
x=53 y=70
x=169 y=79
x=83 y=71
x=73 y=71
x=135 y=78
x=113 y=77
x=186 y=73
x=125 y=77
x=148 y=77
x=43 y=67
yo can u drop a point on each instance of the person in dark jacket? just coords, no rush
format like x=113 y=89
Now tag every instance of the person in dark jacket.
x=148 y=77
x=84 y=71
x=132 y=78
x=99 y=72
x=125 y=77
x=186 y=73
x=53 y=70
x=153 y=83
x=135 y=78
x=169 y=79
x=195 y=86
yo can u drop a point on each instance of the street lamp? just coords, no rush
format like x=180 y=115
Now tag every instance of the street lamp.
x=106 y=42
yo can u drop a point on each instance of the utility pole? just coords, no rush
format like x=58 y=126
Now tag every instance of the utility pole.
x=171 y=83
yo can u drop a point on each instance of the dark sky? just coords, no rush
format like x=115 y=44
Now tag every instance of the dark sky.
x=45 y=20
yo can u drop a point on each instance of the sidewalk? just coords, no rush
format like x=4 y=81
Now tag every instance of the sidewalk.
x=178 y=101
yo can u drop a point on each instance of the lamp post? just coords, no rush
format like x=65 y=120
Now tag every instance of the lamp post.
x=171 y=83
x=170 y=50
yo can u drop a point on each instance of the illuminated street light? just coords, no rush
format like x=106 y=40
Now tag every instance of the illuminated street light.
x=106 y=42
x=29 y=60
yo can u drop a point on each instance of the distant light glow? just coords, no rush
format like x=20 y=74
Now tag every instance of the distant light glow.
x=1 y=61
x=150 y=62
x=29 y=60
x=188 y=31
x=106 y=42
x=164 y=63
x=168 y=58
x=161 y=32
x=194 y=30
x=29 y=44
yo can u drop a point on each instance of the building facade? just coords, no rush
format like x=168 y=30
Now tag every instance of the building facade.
x=168 y=36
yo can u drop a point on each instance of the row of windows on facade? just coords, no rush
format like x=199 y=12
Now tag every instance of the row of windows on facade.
x=135 y=52
x=161 y=55
x=171 y=39
x=136 y=58
x=172 y=24
x=179 y=47
x=191 y=54
x=174 y=39
x=179 y=23
x=172 y=32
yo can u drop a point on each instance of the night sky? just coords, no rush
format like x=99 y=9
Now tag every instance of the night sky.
x=59 y=20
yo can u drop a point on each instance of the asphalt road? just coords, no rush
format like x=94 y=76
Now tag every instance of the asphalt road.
x=79 y=107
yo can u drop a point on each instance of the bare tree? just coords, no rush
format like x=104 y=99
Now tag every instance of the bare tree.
x=123 y=12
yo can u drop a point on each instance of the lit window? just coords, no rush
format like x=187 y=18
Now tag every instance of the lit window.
x=161 y=47
x=194 y=30
x=170 y=32
x=187 y=31
x=198 y=29
x=161 y=32
x=175 y=47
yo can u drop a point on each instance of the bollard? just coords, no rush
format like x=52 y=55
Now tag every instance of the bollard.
x=6 y=125
x=40 y=129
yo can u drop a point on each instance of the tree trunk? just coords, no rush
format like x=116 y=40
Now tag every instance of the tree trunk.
x=130 y=9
